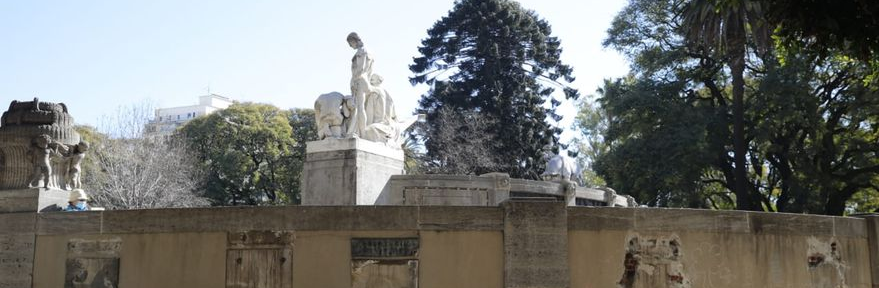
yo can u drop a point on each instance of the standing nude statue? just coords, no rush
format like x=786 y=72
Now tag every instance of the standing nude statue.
x=41 y=154
x=75 y=165
x=361 y=70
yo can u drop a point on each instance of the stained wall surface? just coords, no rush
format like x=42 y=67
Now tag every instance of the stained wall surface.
x=685 y=248
x=465 y=246
x=191 y=247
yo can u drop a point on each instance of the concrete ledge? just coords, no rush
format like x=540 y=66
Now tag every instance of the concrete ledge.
x=600 y=218
x=711 y=221
x=371 y=218
x=83 y=222
x=363 y=218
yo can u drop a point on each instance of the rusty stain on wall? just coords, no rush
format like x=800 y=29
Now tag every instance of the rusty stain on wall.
x=826 y=266
x=653 y=261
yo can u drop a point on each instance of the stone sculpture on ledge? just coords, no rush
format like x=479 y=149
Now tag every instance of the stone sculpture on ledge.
x=368 y=113
x=330 y=112
x=39 y=147
x=560 y=167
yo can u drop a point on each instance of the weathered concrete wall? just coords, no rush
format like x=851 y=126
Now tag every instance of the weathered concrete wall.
x=535 y=245
x=146 y=260
x=459 y=246
x=519 y=244
x=693 y=248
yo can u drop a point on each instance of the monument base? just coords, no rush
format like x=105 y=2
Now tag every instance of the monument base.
x=32 y=200
x=348 y=171
x=18 y=216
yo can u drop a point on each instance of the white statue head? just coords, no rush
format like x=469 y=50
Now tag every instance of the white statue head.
x=376 y=79
x=354 y=40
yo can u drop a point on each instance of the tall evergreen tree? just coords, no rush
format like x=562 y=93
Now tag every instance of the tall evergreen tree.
x=496 y=58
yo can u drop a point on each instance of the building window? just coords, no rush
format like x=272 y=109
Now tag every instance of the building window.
x=178 y=117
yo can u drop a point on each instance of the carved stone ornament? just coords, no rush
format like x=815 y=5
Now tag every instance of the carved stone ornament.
x=39 y=147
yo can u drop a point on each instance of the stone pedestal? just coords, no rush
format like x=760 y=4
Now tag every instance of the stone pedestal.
x=348 y=171
x=33 y=200
x=535 y=244
x=18 y=212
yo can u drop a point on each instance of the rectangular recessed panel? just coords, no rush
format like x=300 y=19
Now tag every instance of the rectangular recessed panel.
x=258 y=268
x=91 y=272
x=384 y=273
x=378 y=248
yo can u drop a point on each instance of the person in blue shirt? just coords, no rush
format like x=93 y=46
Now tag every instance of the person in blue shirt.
x=78 y=201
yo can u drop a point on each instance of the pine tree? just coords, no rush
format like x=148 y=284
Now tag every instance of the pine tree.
x=495 y=58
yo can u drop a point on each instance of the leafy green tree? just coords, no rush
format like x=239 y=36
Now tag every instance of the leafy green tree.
x=304 y=130
x=245 y=151
x=810 y=122
x=499 y=59
x=592 y=122
x=827 y=25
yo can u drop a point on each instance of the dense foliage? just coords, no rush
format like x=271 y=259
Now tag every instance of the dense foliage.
x=497 y=59
x=246 y=153
x=824 y=25
x=304 y=130
x=811 y=120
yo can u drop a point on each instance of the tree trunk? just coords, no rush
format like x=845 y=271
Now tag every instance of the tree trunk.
x=744 y=199
x=836 y=201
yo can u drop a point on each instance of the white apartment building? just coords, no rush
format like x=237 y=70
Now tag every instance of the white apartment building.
x=167 y=120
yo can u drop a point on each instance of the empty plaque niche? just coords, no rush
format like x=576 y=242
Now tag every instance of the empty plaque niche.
x=92 y=263
x=259 y=259
x=384 y=262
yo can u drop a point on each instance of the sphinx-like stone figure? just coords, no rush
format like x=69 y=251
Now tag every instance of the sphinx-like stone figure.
x=35 y=145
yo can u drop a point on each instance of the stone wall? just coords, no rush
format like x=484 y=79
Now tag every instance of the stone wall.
x=517 y=244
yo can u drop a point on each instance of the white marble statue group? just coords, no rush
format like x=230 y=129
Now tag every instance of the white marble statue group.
x=45 y=154
x=560 y=167
x=368 y=113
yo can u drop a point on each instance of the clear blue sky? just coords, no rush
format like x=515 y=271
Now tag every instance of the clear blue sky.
x=97 y=55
